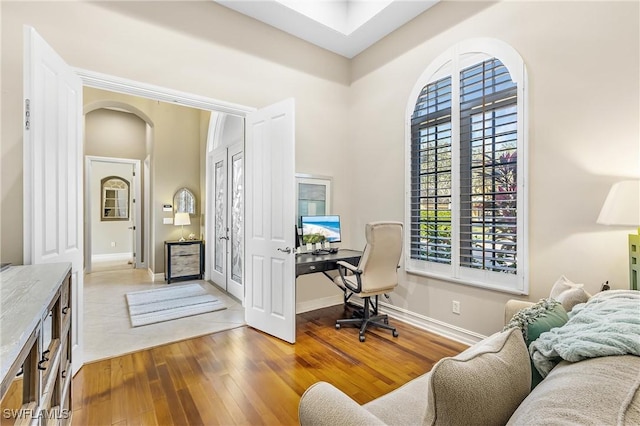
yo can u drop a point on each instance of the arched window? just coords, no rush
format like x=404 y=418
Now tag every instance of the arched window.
x=466 y=168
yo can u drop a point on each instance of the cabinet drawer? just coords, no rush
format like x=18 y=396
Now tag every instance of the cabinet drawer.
x=185 y=250
x=185 y=265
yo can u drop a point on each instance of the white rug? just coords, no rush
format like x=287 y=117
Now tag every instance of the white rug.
x=164 y=304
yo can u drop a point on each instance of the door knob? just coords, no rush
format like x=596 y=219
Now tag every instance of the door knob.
x=223 y=238
x=285 y=250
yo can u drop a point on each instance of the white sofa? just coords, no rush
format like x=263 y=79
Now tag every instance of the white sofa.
x=489 y=384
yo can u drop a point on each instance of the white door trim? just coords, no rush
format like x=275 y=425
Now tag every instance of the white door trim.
x=150 y=91
x=138 y=221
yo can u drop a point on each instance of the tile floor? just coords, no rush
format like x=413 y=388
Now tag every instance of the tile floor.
x=108 y=331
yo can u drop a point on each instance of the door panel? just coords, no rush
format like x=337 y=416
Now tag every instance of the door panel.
x=270 y=210
x=236 y=221
x=53 y=169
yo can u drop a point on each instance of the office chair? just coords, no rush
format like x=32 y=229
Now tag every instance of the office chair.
x=376 y=274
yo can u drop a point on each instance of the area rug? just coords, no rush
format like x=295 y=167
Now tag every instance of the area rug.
x=165 y=304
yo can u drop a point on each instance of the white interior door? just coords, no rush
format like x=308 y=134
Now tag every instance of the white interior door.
x=53 y=169
x=270 y=209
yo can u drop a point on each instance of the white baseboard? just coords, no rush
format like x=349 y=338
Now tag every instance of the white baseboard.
x=155 y=277
x=420 y=321
x=435 y=326
x=111 y=257
x=312 y=305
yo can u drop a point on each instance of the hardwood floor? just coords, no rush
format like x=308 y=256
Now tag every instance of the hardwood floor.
x=242 y=376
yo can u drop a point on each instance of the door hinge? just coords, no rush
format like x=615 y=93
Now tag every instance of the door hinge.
x=134 y=173
x=134 y=200
x=27 y=114
x=134 y=255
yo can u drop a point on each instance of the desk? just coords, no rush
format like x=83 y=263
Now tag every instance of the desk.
x=307 y=263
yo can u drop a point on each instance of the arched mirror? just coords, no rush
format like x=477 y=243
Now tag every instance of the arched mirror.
x=114 y=198
x=184 y=201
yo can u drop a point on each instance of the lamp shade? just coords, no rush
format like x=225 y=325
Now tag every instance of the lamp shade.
x=182 y=219
x=622 y=206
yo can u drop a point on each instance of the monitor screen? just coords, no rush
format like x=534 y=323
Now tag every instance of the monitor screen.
x=317 y=229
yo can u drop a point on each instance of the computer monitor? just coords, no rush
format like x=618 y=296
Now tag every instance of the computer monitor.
x=317 y=229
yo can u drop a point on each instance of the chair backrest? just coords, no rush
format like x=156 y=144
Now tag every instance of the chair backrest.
x=381 y=256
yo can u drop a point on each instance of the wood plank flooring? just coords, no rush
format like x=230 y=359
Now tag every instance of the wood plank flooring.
x=245 y=377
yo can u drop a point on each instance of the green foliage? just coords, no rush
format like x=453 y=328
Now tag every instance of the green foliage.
x=313 y=238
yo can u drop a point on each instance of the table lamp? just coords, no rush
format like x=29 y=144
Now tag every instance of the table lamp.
x=622 y=207
x=182 y=219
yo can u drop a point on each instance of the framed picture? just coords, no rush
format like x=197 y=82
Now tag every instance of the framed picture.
x=313 y=195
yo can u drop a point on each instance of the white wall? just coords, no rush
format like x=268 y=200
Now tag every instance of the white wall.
x=583 y=64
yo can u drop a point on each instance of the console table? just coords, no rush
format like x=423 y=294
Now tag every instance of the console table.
x=183 y=260
x=35 y=344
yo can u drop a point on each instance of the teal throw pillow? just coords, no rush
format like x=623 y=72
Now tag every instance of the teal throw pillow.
x=535 y=320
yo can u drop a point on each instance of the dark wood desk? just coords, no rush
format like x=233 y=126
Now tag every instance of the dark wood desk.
x=307 y=263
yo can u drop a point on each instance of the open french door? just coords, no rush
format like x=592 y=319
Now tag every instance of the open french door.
x=53 y=169
x=270 y=210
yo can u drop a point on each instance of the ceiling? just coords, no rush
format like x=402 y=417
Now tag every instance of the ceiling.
x=345 y=27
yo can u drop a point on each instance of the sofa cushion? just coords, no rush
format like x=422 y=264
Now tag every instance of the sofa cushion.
x=568 y=293
x=482 y=385
x=596 y=391
x=535 y=320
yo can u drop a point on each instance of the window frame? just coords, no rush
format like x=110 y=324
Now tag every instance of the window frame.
x=450 y=63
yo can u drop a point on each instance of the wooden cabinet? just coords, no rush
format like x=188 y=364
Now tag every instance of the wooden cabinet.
x=183 y=260
x=35 y=344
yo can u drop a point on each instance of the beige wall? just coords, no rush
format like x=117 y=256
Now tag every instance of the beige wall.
x=198 y=47
x=583 y=65
x=109 y=133
x=175 y=155
x=582 y=59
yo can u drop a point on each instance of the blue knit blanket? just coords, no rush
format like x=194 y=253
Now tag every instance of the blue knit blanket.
x=608 y=324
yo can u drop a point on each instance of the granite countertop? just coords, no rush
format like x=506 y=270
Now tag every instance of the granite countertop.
x=25 y=293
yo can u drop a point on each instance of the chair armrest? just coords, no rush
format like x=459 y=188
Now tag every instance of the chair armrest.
x=343 y=268
x=324 y=404
x=349 y=266
x=512 y=306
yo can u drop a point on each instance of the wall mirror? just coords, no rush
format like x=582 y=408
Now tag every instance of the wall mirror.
x=184 y=201
x=313 y=195
x=114 y=198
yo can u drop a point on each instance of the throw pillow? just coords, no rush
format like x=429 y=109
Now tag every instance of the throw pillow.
x=568 y=293
x=482 y=385
x=535 y=320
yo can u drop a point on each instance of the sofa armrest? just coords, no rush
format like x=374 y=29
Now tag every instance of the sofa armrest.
x=512 y=306
x=324 y=404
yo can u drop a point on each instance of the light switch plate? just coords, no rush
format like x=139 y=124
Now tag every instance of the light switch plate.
x=167 y=221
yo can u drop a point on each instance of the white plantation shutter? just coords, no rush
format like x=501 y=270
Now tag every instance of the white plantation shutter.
x=466 y=194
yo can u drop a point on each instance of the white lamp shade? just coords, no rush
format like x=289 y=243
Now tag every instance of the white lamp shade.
x=182 y=219
x=622 y=206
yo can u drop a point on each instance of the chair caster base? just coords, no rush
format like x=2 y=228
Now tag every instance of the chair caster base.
x=362 y=338
x=394 y=333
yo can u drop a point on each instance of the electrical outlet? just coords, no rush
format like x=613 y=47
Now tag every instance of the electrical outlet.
x=455 y=307
x=113 y=243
